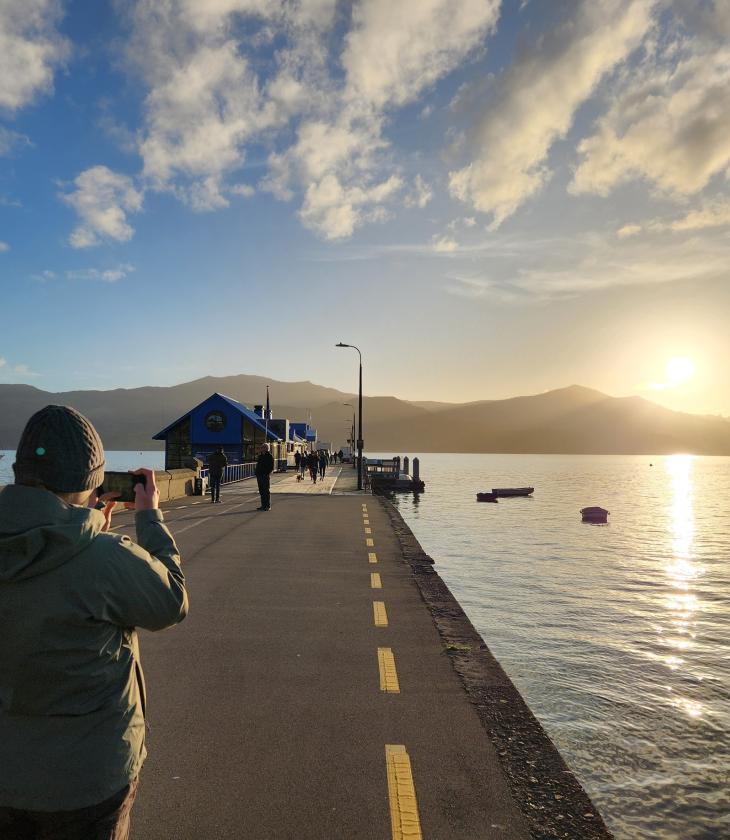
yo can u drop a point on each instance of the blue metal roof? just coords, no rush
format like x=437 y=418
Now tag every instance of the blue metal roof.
x=240 y=407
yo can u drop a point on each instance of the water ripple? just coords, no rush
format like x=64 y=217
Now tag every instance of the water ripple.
x=617 y=636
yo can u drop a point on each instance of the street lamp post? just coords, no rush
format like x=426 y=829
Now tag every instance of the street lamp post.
x=352 y=436
x=359 y=407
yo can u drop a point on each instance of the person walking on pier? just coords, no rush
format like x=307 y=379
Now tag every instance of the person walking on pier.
x=297 y=460
x=217 y=463
x=72 y=713
x=322 y=464
x=264 y=468
x=313 y=464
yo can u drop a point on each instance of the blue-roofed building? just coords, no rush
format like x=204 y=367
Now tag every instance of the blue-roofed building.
x=304 y=432
x=220 y=421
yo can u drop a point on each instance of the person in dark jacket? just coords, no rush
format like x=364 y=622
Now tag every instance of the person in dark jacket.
x=322 y=464
x=72 y=694
x=297 y=460
x=264 y=468
x=217 y=463
x=313 y=464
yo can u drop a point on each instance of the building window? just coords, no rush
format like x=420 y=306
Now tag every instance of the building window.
x=248 y=441
x=178 y=448
x=215 y=421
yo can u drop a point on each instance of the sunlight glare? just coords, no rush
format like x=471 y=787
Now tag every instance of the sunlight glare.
x=679 y=370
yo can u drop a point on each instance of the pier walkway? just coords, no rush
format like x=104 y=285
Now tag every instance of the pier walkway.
x=307 y=695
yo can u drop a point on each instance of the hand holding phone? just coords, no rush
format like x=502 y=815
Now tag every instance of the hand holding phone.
x=147 y=496
x=120 y=485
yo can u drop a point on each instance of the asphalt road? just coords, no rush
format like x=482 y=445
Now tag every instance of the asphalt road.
x=266 y=715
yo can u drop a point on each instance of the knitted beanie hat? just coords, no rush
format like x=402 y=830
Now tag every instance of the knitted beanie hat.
x=60 y=449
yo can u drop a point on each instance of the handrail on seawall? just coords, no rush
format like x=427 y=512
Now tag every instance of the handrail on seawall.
x=233 y=472
x=239 y=472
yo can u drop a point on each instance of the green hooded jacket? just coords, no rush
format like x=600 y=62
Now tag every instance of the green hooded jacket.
x=71 y=685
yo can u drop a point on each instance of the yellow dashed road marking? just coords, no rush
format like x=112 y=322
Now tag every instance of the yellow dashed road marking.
x=372 y=557
x=380 y=616
x=368 y=530
x=369 y=542
x=404 y=821
x=388 y=674
x=375 y=582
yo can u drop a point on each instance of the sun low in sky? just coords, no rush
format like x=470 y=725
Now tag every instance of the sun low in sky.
x=679 y=369
x=678 y=385
x=494 y=198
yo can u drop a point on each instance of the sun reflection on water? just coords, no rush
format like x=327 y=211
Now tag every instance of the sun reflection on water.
x=682 y=571
x=680 y=468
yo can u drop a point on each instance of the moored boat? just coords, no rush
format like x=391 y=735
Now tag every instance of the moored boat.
x=486 y=497
x=512 y=491
x=595 y=515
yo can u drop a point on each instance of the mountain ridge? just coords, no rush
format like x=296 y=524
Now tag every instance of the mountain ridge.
x=574 y=419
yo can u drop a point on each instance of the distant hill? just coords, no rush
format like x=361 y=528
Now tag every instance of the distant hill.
x=568 y=420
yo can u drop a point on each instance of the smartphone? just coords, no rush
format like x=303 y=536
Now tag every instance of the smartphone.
x=121 y=482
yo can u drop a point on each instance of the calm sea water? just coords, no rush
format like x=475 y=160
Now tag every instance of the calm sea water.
x=618 y=636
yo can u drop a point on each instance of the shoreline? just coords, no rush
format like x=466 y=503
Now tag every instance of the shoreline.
x=552 y=800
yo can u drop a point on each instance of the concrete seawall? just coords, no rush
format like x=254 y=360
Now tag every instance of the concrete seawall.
x=175 y=484
x=172 y=484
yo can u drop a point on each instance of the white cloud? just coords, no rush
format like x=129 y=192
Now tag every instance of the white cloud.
x=102 y=199
x=537 y=99
x=4 y=247
x=711 y=214
x=395 y=50
x=392 y=53
x=420 y=195
x=12 y=370
x=628 y=230
x=24 y=370
x=583 y=265
x=714 y=214
x=669 y=123
x=30 y=49
x=336 y=210
x=105 y=275
x=205 y=101
x=244 y=190
x=444 y=244
x=209 y=99
x=10 y=140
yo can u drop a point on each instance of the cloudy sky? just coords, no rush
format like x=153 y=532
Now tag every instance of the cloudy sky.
x=489 y=198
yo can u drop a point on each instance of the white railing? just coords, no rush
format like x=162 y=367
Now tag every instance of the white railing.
x=233 y=472
x=239 y=472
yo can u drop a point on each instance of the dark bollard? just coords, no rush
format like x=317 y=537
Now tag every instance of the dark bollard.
x=406 y=464
x=416 y=470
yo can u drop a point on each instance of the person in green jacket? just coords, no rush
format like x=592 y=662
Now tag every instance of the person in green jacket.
x=72 y=695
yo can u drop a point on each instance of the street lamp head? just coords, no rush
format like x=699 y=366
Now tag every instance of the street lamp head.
x=340 y=344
